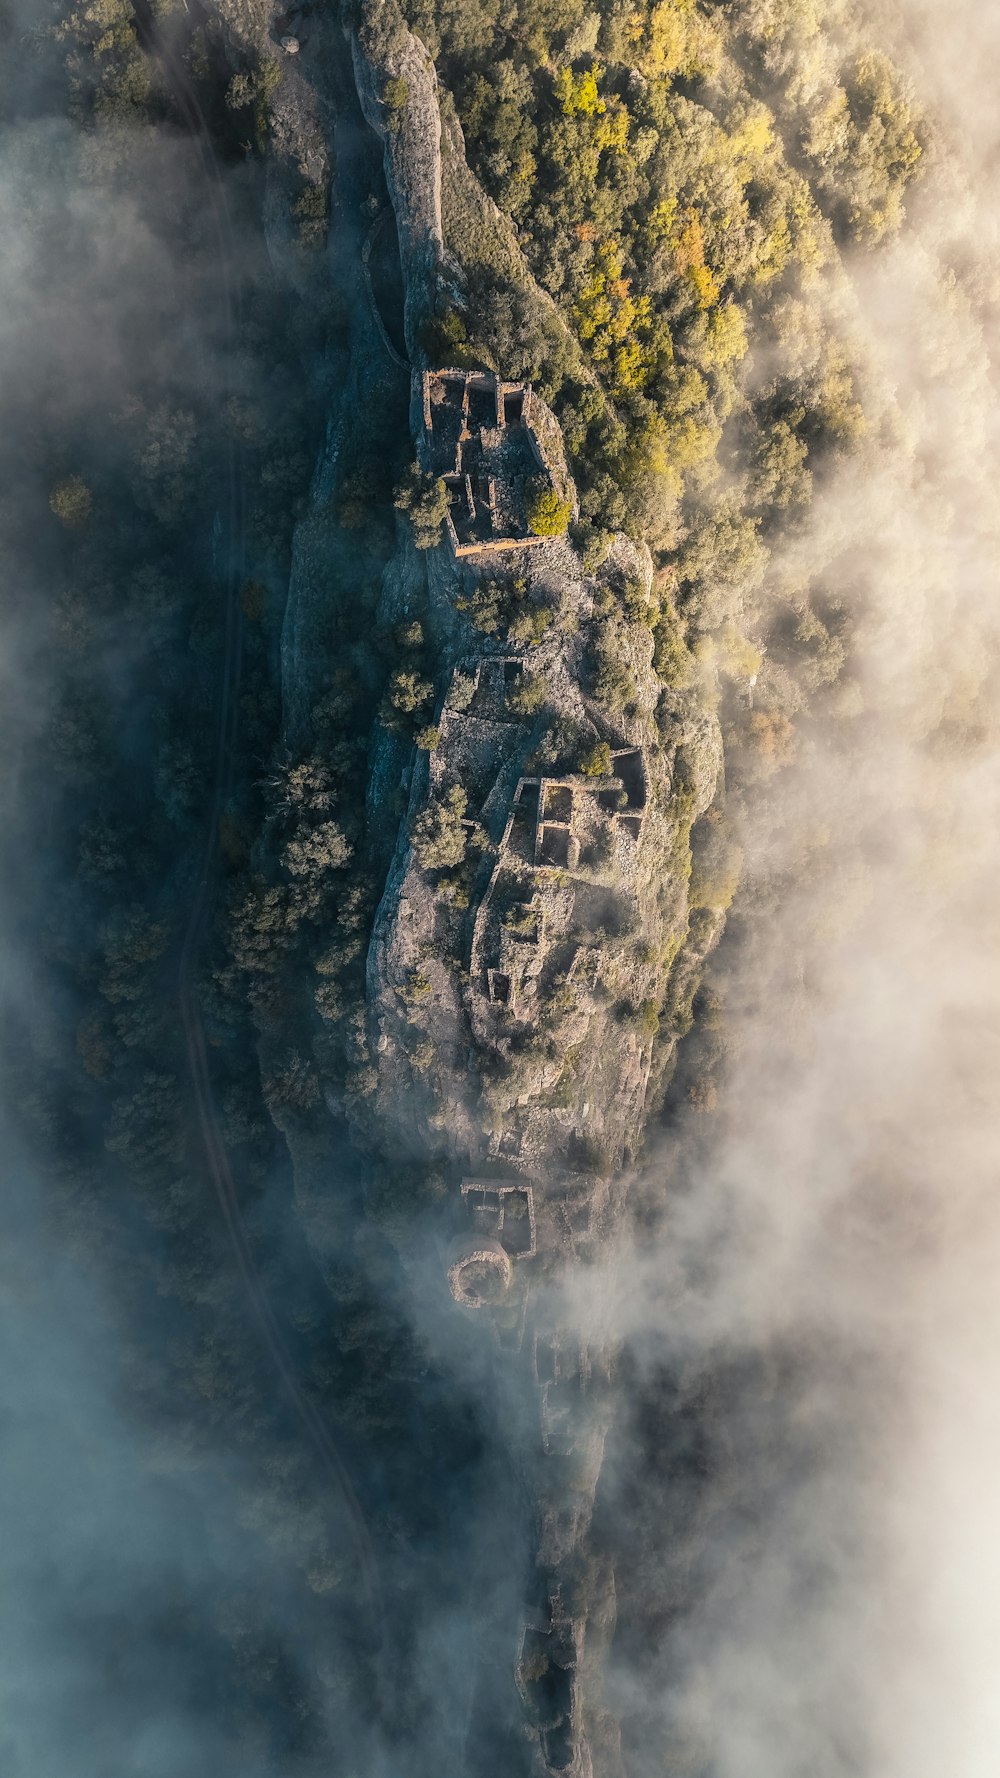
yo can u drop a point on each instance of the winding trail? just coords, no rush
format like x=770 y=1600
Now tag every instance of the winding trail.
x=216 y=1156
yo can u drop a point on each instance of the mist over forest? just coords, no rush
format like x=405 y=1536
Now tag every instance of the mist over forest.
x=500 y=964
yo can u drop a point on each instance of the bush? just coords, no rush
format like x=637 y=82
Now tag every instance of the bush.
x=428 y=738
x=395 y=93
x=548 y=513
x=597 y=762
x=437 y=833
x=462 y=692
x=671 y=655
x=530 y=625
x=416 y=988
x=614 y=683
x=71 y=502
x=425 y=502
x=331 y=1001
x=773 y=737
x=502 y=604
x=444 y=338
x=716 y=864
x=408 y=692
x=528 y=695
x=293 y=1083
x=355 y=497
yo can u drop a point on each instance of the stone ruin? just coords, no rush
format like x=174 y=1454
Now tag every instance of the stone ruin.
x=552 y=819
x=561 y=811
x=548 y=1678
x=480 y=1271
x=492 y=677
x=549 y=850
x=500 y=1229
x=479 y=437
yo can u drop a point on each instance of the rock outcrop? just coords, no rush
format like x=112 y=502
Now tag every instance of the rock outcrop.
x=397 y=88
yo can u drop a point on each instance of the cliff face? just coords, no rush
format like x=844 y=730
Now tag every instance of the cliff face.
x=389 y=59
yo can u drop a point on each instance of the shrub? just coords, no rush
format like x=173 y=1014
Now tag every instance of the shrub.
x=355 y=498
x=294 y=1083
x=417 y=987
x=559 y=748
x=408 y=692
x=596 y=763
x=548 y=513
x=395 y=93
x=614 y=683
x=437 y=833
x=425 y=502
x=498 y=604
x=773 y=737
x=737 y=656
x=422 y=1055
x=530 y=625
x=671 y=655
x=716 y=864
x=453 y=887
x=331 y=1000
x=487 y=605
x=428 y=738
x=444 y=337
x=528 y=695
x=241 y=91
x=311 y=212
x=71 y=502
x=462 y=691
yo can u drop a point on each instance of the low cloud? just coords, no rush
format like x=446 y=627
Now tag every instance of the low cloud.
x=811 y=1567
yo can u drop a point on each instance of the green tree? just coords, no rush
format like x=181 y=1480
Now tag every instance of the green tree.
x=318 y=850
x=424 y=499
x=408 y=692
x=437 y=833
x=577 y=93
x=444 y=337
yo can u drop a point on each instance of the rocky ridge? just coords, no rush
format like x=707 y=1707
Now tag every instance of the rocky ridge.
x=530 y=967
x=533 y=956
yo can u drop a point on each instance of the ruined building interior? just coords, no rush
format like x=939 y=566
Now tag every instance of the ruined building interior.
x=479 y=437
